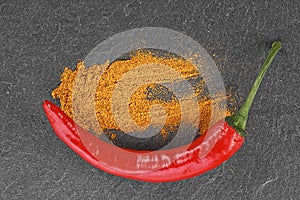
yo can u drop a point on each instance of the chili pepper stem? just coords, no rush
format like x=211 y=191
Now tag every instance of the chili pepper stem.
x=239 y=120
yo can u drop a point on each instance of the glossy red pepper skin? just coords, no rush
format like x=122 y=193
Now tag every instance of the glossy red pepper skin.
x=185 y=160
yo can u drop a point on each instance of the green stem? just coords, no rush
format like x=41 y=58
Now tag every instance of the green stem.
x=239 y=120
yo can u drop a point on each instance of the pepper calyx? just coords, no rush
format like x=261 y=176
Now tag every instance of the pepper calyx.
x=233 y=123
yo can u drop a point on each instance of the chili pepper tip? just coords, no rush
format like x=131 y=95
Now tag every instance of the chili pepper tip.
x=47 y=103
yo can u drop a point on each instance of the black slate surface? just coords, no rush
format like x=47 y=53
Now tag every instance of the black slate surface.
x=40 y=38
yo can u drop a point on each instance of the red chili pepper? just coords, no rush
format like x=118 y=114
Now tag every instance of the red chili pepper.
x=219 y=143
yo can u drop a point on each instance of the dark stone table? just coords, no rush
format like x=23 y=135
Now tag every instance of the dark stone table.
x=38 y=39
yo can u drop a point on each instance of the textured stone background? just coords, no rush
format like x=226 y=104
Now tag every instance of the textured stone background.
x=39 y=38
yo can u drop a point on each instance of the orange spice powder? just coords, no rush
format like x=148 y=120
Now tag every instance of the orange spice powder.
x=92 y=90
